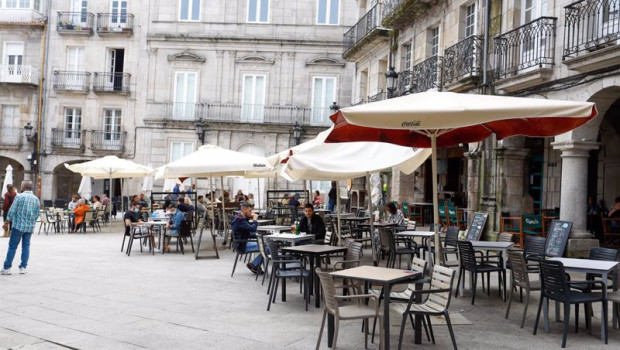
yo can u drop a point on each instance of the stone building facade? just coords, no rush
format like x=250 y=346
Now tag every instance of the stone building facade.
x=513 y=48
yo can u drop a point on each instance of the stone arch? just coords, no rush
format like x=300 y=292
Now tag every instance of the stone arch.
x=18 y=171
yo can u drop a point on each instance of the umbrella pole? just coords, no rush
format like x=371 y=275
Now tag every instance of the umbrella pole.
x=372 y=224
x=110 y=204
x=224 y=211
x=438 y=250
x=338 y=212
x=212 y=206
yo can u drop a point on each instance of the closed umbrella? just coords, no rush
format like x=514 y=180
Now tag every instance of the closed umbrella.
x=8 y=179
x=86 y=189
x=441 y=119
x=147 y=182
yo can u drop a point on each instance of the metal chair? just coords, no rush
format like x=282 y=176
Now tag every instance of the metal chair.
x=241 y=253
x=469 y=262
x=520 y=278
x=283 y=267
x=533 y=252
x=398 y=251
x=437 y=303
x=555 y=286
x=360 y=311
x=139 y=232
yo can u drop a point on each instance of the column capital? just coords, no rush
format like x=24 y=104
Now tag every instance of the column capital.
x=574 y=148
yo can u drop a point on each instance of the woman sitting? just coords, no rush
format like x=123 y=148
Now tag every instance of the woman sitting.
x=79 y=213
x=396 y=216
x=97 y=203
x=317 y=200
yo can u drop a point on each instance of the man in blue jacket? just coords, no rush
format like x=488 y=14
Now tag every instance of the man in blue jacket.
x=244 y=227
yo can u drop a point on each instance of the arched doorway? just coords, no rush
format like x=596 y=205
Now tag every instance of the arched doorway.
x=18 y=171
x=254 y=186
x=67 y=182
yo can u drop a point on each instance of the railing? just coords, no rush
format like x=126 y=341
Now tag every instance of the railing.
x=531 y=45
x=111 y=82
x=107 y=140
x=365 y=25
x=247 y=113
x=121 y=23
x=389 y=6
x=11 y=136
x=75 y=22
x=463 y=59
x=19 y=74
x=403 y=83
x=73 y=81
x=591 y=25
x=68 y=138
x=426 y=75
x=377 y=97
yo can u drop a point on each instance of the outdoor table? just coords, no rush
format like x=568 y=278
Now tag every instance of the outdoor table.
x=272 y=229
x=314 y=252
x=600 y=267
x=342 y=215
x=355 y=218
x=264 y=221
x=412 y=234
x=387 y=278
x=290 y=237
x=161 y=225
x=495 y=246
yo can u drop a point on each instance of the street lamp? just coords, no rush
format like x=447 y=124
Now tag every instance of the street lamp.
x=334 y=107
x=32 y=137
x=391 y=78
x=297 y=130
x=200 y=131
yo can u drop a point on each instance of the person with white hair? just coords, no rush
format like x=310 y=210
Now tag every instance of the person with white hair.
x=79 y=213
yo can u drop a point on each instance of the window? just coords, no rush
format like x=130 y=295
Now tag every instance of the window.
x=323 y=94
x=112 y=126
x=11 y=4
x=434 y=41
x=407 y=52
x=189 y=10
x=13 y=60
x=10 y=118
x=253 y=97
x=185 y=95
x=470 y=20
x=180 y=149
x=73 y=125
x=80 y=12
x=327 y=12
x=258 y=11
x=118 y=12
x=75 y=79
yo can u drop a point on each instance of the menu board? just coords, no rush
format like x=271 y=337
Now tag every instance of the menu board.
x=557 y=238
x=474 y=231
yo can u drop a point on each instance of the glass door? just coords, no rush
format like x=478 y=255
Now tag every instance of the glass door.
x=112 y=128
x=185 y=95
x=13 y=60
x=253 y=98
x=73 y=127
x=118 y=15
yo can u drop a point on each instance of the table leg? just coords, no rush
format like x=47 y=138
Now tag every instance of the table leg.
x=417 y=332
x=603 y=309
x=284 y=289
x=330 y=330
x=387 y=290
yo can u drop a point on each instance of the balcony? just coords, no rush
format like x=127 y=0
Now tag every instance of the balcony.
x=115 y=24
x=402 y=13
x=75 y=23
x=111 y=83
x=11 y=137
x=71 y=81
x=248 y=113
x=19 y=74
x=525 y=55
x=367 y=29
x=462 y=63
x=403 y=84
x=66 y=138
x=426 y=75
x=108 y=141
x=592 y=34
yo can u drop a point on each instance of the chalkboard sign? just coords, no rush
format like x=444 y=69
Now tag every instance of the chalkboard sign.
x=477 y=225
x=557 y=238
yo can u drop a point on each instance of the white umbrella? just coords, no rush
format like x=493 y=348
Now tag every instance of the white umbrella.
x=8 y=179
x=147 y=182
x=440 y=119
x=86 y=188
x=339 y=161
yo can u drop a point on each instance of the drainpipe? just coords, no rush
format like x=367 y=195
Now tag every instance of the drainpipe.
x=485 y=46
x=42 y=91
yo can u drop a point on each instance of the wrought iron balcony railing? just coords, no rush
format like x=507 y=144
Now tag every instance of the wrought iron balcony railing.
x=530 y=46
x=111 y=82
x=590 y=25
x=390 y=6
x=403 y=83
x=369 y=22
x=11 y=136
x=115 y=23
x=102 y=140
x=75 y=23
x=71 y=81
x=377 y=97
x=463 y=59
x=68 y=138
x=19 y=74
x=183 y=110
x=426 y=75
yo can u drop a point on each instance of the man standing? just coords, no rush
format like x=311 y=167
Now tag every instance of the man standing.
x=312 y=224
x=23 y=215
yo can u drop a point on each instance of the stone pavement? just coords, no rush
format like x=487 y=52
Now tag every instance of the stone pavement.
x=81 y=292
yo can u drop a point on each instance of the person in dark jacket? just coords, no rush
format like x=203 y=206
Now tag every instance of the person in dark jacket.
x=312 y=224
x=331 y=203
x=243 y=228
x=181 y=205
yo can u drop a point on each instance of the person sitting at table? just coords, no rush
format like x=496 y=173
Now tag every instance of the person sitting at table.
x=144 y=201
x=395 y=215
x=240 y=196
x=614 y=212
x=78 y=214
x=312 y=224
x=174 y=225
x=73 y=204
x=181 y=206
x=250 y=198
x=97 y=203
x=105 y=200
x=188 y=204
x=132 y=218
x=285 y=200
x=243 y=227
x=200 y=206
x=317 y=200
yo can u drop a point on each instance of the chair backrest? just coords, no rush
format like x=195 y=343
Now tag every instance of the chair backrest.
x=534 y=246
x=348 y=241
x=442 y=213
x=599 y=253
x=43 y=216
x=384 y=237
x=467 y=255
x=553 y=278
x=452 y=214
x=519 y=269
x=88 y=216
x=441 y=278
x=452 y=236
x=504 y=237
x=50 y=217
x=329 y=292
x=261 y=247
x=532 y=222
x=354 y=252
x=418 y=264
x=274 y=248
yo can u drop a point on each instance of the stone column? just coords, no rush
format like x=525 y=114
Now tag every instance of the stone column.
x=573 y=194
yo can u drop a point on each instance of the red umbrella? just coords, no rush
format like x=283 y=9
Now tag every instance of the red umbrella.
x=432 y=119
